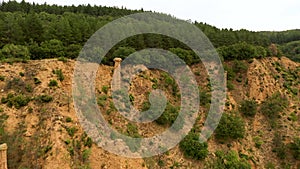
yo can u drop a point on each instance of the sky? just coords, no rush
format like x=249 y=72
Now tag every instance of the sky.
x=255 y=15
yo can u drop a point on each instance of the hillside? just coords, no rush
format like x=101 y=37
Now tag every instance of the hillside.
x=39 y=124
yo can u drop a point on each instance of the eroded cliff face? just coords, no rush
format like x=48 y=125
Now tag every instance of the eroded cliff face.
x=46 y=133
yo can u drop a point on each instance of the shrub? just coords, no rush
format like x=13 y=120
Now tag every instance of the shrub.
x=52 y=49
x=86 y=154
x=105 y=89
x=88 y=142
x=273 y=105
x=258 y=141
x=193 y=148
x=230 y=86
x=230 y=73
x=45 y=98
x=241 y=51
x=239 y=66
x=168 y=116
x=28 y=88
x=101 y=100
x=204 y=98
x=2 y=78
x=270 y=165
x=71 y=131
x=279 y=146
x=59 y=74
x=248 y=107
x=295 y=147
x=132 y=130
x=17 y=101
x=12 y=51
x=230 y=126
x=63 y=59
x=21 y=74
x=229 y=160
x=36 y=80
x=68 y=119
x=131 y=98
x=52 y=83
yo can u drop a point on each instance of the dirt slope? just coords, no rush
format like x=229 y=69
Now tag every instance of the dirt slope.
x=46 y=134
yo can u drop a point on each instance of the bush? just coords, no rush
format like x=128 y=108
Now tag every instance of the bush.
x=63 y=59
x=15 y=51
x=204 y=98
x=28 y=88
x=36 y=80
x=132 y=131
x=73 y=50
x=230 y=86
x=45 y=98
x=68 y=119
x=17 y=101
x=52 y=83
x=273 y=105
x=21 y=74
x=168 y=116
x=86 y=154
x=248 y=108
x=230 y=126
x=279 y=146
x=193 y=148
x=88 y=142
x=105 y=89
x=229 y=160
x=71 y=131
x=295 y=147
x=2 y=78
x=52 y=49
x=239 y=66
x=241 y=51
x=59 y=74
x=258 y=141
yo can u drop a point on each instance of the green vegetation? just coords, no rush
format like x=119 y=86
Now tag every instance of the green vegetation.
x=51 y=31
x=279 y=147
x=17 y=52
x=59 y=74
x=2 y=78
x=205 y=97
x=105 y=89
x=29 y=88
x=295 y=148
x=36 y=80
x=132 y=131
x=52 y=83
x=21 y=74
x=192 y=147
x=230 y=126
x=229 y=160
x=273 y=105
x=292 y=50
x=248 y=108
x=168 y=116
x=102 y=100
x=44 y=98
x=71 y=131
x=17 y=101
x=242 y=51
x=69 y=120
x=258 y=141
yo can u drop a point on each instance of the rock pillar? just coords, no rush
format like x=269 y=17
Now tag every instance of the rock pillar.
x=117 y=74
x=3 y=156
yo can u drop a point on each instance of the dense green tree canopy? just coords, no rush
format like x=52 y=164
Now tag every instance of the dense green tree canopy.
x=50 y=31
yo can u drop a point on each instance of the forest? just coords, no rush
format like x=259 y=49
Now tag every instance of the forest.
x=40 y=31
